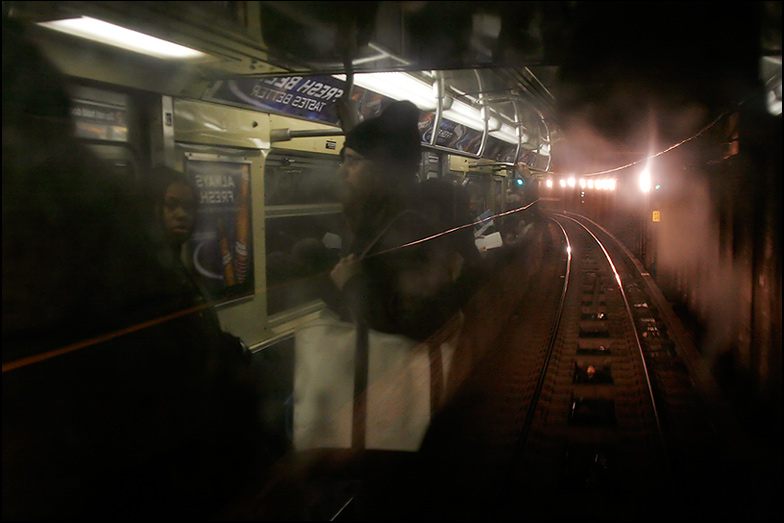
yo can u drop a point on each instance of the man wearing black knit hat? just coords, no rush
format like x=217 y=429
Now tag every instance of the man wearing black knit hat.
x=393 y=136
x=392 y=286
x=380 y=158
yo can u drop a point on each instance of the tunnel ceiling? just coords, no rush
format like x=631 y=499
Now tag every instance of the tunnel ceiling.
x=605 y=66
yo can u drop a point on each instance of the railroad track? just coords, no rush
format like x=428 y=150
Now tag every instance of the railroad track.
x=617 y=427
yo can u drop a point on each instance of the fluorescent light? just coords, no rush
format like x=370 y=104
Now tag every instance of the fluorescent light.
x=398 y=86
x=464 y=114
x=402 y=86
x=118 y=36
x=506 y=133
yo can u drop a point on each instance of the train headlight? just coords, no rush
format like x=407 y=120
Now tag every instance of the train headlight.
x=645 y=180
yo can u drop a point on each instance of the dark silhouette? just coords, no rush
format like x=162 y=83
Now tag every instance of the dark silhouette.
x=119 y=400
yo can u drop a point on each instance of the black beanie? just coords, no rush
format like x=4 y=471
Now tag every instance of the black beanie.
x=392 y=138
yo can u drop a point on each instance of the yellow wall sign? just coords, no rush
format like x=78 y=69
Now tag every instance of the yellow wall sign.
x=656 y=216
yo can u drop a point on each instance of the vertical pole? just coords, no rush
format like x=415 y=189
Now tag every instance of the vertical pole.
x=438 y=86
x=483 y=110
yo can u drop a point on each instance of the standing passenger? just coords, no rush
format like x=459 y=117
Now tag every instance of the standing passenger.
x=385 y=280
x=399 y=273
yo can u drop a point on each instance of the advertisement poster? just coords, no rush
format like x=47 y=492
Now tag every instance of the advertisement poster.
x=99 y=121
x=310 y=97
x=451 y=135
x=221 y=247
x=500 y=150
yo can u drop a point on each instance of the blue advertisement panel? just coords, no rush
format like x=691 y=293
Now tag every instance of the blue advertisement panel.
x=221 y=247
x=368 y=103
x=500 y=151
x=456 y=136
x=310 y=97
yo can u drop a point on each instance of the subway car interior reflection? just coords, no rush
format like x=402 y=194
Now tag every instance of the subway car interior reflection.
x=356 y=261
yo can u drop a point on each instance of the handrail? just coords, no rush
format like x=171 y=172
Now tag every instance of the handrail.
x=284 y=135
x=518 y=133
x=439 y=107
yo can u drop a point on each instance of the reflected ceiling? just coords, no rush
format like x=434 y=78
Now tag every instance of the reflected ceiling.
x=619 y=74
x=602 y=66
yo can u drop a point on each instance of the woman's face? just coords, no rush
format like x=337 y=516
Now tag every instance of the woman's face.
x=179 y=213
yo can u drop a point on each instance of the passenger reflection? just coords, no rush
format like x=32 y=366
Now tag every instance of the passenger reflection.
x=395 y=290
x=175 y=204
x=118 y=401
x=398 y=284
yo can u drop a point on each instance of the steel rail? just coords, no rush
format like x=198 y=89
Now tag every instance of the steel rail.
x=638 y=342
x=528 y=421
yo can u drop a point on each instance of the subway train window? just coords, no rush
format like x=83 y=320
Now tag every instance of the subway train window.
x=301 y=250
x=304 y=227
x=300 y=179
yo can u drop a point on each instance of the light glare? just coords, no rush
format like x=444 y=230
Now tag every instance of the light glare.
x=506 y=133
x=645 y=180
x=398 y=86
x=104 y=32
